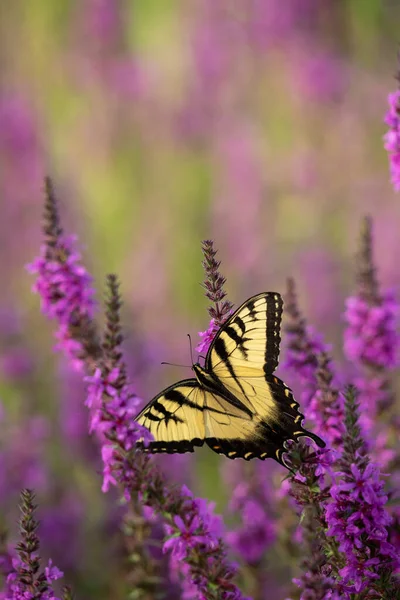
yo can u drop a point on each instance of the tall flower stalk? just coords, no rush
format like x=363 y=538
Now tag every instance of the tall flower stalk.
x=27 y=579
x=303 y=346
x=65 y=289
x=220 y=308
x=357 y=517
x=371 y=341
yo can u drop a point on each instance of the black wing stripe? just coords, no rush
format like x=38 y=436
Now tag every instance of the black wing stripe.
x=240 y=323
x=253 y=314
x=239 y=340
x=220 y=349
x=182 y=400
x=274 y=306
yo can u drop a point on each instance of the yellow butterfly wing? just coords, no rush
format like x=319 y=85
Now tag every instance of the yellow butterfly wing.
x=241 y=359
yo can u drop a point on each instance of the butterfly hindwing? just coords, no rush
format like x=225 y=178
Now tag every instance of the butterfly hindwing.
x=237 y=435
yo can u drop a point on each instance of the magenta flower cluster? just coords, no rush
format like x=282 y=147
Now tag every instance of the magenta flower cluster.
x=392 y=137
x=197 y=530
x=207 y=337
x=257 y=530
x=114 y=422
x=371 y=336
x=16 y=590
x=359 y=521
x=65 y=290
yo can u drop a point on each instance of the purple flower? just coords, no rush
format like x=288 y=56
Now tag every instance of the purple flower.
x=52 y=573
x=371 y=337
x=25 y=581
x=392 y=138
x=326 y=408
x=197 y=532
x=356 y=517
x=207 y=337
x=65 y=290
x=185 y=537
x=256 y=534
x=113 y=420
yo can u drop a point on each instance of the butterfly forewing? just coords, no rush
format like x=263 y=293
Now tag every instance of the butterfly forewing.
x=175 y=418
x=246 y=349
x=242 y=359
x=251 y=336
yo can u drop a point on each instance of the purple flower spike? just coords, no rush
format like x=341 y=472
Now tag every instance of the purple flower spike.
x=196 y=532
x=303 y=346
x=214 y=285
x=207 y=337
x=326 y=409
x=371 y=336
x=220 y=308
x=25 y=582
x=371 y=340
x=64 y=287
x=392 y=138
x=357 y=517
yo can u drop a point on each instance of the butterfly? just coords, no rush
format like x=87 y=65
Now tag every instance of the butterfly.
x=234 y=404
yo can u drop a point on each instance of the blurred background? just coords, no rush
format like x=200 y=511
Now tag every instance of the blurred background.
x=257 y=123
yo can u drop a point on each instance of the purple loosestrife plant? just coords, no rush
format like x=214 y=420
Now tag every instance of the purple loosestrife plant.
x=192 y=528
x=27 y=581
x=251 y=496
x=303 y=346
x=326 y=408
x=371 y=341
x=65 y=288
x=310 y=490
x=117 y=405
x=314 y=581
x=309 y=485
x=220 y=308
x=307 y=356
x=357 y=517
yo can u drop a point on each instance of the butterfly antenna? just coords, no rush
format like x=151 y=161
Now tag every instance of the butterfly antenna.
x=175 y=365
x=191 y=349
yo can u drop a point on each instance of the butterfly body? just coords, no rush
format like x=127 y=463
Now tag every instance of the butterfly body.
x=234 y=404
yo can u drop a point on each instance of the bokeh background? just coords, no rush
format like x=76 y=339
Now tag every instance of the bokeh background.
x=257 y=123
